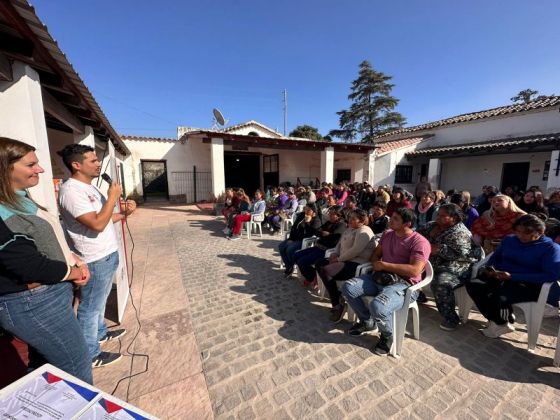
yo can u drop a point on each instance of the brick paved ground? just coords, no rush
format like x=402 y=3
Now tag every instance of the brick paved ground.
x=269 y=350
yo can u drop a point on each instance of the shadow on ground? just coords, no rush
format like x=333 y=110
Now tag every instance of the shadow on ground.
x=305 y=319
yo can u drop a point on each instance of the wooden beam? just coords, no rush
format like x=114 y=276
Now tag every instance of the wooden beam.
x=5 y=69
x=14 y=44
x=57 y=110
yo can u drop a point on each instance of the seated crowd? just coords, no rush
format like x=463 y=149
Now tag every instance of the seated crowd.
x=398 y=233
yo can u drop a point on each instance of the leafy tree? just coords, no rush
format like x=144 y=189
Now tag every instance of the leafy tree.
x=525 y=96
x=371 y=112
x=306 y=132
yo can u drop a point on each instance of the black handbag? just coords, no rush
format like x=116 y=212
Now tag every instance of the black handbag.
x=384 y=278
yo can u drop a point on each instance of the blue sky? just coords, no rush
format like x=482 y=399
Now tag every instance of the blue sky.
x=155 y=65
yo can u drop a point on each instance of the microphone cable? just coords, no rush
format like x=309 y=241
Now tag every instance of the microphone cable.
x=128 y=348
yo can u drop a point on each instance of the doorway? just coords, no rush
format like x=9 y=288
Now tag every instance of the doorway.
x=154 y=180
x=243 y=170
x=515 y=174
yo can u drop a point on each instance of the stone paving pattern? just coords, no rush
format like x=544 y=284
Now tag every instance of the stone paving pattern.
x=269 y=351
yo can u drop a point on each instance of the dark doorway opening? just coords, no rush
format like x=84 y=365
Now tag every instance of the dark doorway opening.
x=515 y=174
x=154 y=180
x=243 y=170
x=343 y=175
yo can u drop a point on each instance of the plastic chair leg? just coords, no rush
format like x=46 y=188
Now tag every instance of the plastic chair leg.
x=351 y=314
x=557 y=352
x=464 y=302
x=415 y=321
x=534 y=324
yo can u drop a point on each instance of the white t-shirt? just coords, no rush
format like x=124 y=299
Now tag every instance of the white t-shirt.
x=75 y=199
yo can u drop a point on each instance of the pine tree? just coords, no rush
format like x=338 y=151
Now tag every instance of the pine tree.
x=372 y=110
x=306 y=132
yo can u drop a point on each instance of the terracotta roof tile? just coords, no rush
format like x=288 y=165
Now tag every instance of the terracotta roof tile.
x=544 y=102
x=390 y=146
x=144 y=138
x=536 y=140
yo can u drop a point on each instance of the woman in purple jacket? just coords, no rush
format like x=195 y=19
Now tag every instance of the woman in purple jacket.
x=515 y=273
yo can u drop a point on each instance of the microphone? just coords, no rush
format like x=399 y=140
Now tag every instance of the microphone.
x=107 y=178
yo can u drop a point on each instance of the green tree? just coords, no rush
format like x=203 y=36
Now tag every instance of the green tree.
x=306 y=132
x=371 y=112
x=525 y=96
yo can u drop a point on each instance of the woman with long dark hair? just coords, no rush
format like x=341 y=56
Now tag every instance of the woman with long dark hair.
x=37 y=269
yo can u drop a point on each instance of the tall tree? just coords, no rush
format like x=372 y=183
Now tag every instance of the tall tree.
x=525 y=96
x=371 y=112
x=306 y=132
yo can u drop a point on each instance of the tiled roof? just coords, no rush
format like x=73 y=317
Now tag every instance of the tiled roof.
x=391 y=146
x=545 y=102
x=494 y=145
x=40 y=32
x=144 y=138
x=251 y=122
x=281 y=142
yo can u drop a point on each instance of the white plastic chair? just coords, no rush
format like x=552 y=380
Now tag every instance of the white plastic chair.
x=361 y=269
x=400 y=316
x=462 y=298
x=287 y=224
x=254 y=224
x=534 y=312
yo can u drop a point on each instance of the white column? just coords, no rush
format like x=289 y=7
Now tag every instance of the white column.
x=553 y=179
x=86 y=139
x=434 y=171
x=327 y=165
x=218 y=170
x=23 y=118
x=369 y=169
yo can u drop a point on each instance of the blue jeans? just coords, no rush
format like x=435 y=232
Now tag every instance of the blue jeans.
x=387 y=300
x=44 y=319
x=91 y=311
x=305 y=260
x=288 y=251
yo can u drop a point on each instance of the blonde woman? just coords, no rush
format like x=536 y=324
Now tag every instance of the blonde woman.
x=497 y=222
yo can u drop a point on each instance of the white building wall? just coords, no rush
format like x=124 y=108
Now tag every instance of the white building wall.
x=513 y=125
x=352 y=161
x=253 y=129
x=385 y=168
x=471 y=173
x=174 y=153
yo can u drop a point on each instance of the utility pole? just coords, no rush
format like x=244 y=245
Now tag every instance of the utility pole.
x=285 y=112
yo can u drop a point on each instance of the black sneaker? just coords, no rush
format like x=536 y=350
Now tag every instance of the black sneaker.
x=113 y=335
x=105 y=359
x=337 y=314
x=361 y=327
x=383 y=346
x=288 y=272
x=447 y=325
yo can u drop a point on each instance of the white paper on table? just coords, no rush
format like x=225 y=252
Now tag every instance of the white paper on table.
x=104 y=409
x=46 y=396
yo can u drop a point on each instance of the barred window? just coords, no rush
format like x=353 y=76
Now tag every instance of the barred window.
x=403 y=174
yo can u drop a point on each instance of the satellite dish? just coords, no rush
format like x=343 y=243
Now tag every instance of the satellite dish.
x=218 y=117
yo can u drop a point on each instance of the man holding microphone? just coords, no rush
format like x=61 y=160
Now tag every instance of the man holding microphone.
x=88 y=218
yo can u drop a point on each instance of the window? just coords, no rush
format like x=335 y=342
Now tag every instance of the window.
x=403 y=174
x=546 y=170
x=270 y=164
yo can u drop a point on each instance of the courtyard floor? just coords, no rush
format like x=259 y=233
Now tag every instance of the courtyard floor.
x=228 y=337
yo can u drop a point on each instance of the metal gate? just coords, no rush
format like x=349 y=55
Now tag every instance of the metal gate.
x=195 y=186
